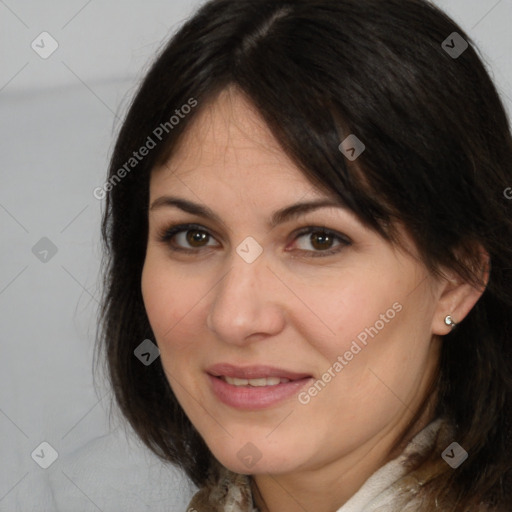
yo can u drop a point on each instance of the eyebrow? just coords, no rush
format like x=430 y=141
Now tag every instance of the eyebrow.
x=278 y=217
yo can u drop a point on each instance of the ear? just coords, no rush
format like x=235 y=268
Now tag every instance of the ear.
x=457 y=297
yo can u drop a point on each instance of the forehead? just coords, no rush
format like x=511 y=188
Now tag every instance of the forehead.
x=229 y=160
x=229 y=143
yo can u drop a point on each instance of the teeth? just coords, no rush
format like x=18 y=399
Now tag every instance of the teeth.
x=269 y=381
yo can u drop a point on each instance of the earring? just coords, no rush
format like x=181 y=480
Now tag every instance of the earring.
x=449 y=321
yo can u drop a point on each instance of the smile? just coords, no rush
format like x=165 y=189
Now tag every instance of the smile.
x=257 y=383
x=254 y=387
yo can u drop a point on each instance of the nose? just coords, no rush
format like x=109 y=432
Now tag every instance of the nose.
x=247 y=303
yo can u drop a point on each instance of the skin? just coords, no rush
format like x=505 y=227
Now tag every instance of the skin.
x=288 y=310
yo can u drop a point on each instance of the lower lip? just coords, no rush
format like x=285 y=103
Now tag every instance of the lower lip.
x=255 y=398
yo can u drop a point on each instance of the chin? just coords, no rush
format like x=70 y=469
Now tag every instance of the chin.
x=249 y=459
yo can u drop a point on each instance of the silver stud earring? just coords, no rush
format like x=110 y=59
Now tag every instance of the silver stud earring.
x=449 y=321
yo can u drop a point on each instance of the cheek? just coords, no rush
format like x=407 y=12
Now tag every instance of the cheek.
x=169 y=298
x=372 y=324
x=357 y=307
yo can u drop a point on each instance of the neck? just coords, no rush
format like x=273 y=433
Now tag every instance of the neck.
x=326 y=488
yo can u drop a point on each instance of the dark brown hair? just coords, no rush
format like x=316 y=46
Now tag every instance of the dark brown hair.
x=438 y=159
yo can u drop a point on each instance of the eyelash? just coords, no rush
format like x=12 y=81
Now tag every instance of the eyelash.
x=167 y=234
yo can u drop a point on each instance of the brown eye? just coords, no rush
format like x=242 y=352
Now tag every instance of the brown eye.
x=321 y=241
x=185 y=238
x=196 y=237
x=191 y=238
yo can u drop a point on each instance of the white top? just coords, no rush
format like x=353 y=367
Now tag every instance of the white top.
x=377 y=493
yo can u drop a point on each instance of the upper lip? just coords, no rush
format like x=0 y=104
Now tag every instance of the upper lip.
x=253 y=372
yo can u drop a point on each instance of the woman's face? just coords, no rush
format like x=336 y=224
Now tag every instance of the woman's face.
x=334 y=330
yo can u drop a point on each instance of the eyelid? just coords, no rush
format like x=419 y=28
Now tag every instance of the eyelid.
x=168 y=232
x=344 y=241
x=311 y=228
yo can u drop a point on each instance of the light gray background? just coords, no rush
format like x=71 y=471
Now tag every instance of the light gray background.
x=58 y=120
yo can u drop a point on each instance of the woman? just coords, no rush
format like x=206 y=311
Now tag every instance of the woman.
x=307 y=215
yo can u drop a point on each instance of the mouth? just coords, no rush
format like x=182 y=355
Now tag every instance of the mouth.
x=256 y=383
x=254 y=387
x=254 y=373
